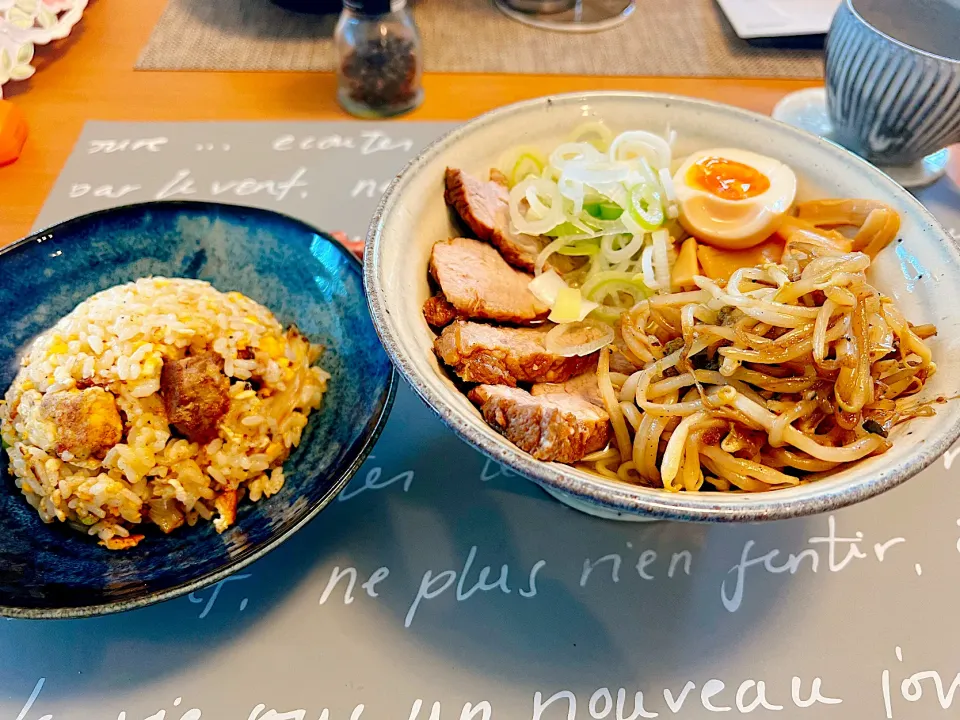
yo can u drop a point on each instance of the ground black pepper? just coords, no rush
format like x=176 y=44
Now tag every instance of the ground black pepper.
x=379 y=58
x=382 y=75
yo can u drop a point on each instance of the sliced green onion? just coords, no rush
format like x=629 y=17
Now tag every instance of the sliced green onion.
x=581 y=247
x=539 y=216
x=525 y=166
x=607 y=285
x=564 y=229
x=549 y=250
x=629 y=246
x=640 y=144
x=613 y=287
x=596 y=133
x=646 y=268
x=661 y=258
x=604 y=276
x=646 y=207
x=603 y=210
x=603 y=283
x=521 y=162
x=607 y=227
x=579 y=152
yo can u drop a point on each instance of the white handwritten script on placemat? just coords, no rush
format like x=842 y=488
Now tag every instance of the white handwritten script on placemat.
x=330 y=174
x=440 y=586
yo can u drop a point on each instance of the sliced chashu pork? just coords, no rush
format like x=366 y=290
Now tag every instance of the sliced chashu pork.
x=560 y=427
x=478 y=283
x=484 y=205
x=196 y=395
x=504 y=355
x=438 y=312
x=583 y=386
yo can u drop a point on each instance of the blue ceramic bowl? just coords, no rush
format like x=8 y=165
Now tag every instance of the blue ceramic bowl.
x=303 y=276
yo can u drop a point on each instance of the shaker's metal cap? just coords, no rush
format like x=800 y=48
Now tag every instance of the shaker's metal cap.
x=375 y=7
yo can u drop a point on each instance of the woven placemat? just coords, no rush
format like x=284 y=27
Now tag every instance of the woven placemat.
x=663 y=37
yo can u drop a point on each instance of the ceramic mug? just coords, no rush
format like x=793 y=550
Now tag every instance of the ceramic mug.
x=893 y=78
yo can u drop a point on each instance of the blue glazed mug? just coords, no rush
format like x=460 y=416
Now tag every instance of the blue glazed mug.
x=893 y=78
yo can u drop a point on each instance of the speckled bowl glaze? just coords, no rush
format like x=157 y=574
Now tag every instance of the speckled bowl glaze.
x=922 y=273
x=303 y=275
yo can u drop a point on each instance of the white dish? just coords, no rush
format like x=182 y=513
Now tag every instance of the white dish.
x=779 y=18
x=919 y=273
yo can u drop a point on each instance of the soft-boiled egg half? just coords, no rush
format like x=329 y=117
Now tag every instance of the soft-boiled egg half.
x=733 y=199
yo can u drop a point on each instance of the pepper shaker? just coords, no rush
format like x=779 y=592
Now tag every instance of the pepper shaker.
x=378 y=49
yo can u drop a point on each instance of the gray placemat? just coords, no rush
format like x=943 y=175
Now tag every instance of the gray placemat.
x=441 y=586
x=663 y=37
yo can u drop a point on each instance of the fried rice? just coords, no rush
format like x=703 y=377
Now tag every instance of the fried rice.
x=161 y=401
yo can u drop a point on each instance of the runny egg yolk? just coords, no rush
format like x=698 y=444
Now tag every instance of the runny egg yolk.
x=727 y=179
x=733 y=199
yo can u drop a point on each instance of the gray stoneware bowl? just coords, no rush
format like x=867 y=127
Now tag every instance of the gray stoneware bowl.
x=922 y=273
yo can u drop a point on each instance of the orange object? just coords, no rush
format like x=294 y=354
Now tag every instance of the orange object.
x=720 y=264
x=685 y=267
x=13 y=132
x=727 y=179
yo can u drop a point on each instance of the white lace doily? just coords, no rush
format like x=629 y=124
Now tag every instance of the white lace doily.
x=25 y=24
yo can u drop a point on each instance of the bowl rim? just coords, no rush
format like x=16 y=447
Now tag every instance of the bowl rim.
x=634 y=500
x=361 y=449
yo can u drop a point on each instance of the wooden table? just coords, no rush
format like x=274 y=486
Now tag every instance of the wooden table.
x=90 y=76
